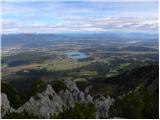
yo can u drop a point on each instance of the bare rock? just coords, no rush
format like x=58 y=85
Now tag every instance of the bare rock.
x=102 y=106
x=87 y=89
x=5 y=106
x=89 y=99
x=67 y=98
x=49 y=102
x=43 y=104
x=71 y=85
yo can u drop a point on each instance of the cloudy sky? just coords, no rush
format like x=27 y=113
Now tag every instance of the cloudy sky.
x=56 y=16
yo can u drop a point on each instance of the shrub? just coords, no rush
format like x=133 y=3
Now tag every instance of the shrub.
x=58 y=85
x=151 y=109
x=37 y=86
x=79 y=111
x=22 y=115
x=15 y=98
x=130 y=106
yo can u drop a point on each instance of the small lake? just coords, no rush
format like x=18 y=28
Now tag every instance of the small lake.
x=76 y=55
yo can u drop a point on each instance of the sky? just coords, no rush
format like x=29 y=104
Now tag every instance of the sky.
x=65 y=16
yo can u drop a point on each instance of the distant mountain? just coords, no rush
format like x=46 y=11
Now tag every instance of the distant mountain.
x=42 y=40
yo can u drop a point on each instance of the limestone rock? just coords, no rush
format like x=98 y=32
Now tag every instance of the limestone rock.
x=81 y=97
x=87 y=89
x=89 y=99
x=5 y=106
x=102 y=106
x=49 y=102
x=67 y=98
x=43 y=104
x=71 y=85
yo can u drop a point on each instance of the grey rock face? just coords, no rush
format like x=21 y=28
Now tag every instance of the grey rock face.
x=67 y=98
x=5 y=107
x=102 y=106
x=89 y=99
x=72 y=94
x=81 y=97
x=49 y=102
x=71 y=85
x=77 y=95
x=88 y=88
x=44 y=104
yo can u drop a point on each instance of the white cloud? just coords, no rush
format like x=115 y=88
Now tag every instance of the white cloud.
x=79 y=0
x=51 y=16
x=97 y=25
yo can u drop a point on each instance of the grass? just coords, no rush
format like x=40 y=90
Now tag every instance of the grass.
x=105 y=60
x=54 y=52
x=114 y=71
x=4 y=65
x=4 y=74
x=23 y=67
x=121 y=66
x=111 y=74
x=87 y=74
x=64 y=64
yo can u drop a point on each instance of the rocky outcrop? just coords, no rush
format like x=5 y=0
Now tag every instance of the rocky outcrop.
x=43 y=104
x=5 y=105
x=88 y=88
x=102 y=106
x=67 y=98
x=49 y=102
x=72 y=94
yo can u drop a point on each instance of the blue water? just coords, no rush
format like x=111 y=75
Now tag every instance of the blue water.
x=76 y=55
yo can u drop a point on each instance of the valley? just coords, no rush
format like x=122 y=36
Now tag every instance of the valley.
x=96 y=60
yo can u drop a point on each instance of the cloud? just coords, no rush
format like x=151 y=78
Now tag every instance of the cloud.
x=80 y=0
x=80 y=16
x=97 y=25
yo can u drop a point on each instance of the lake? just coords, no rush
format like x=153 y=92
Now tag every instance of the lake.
x=76 y=55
